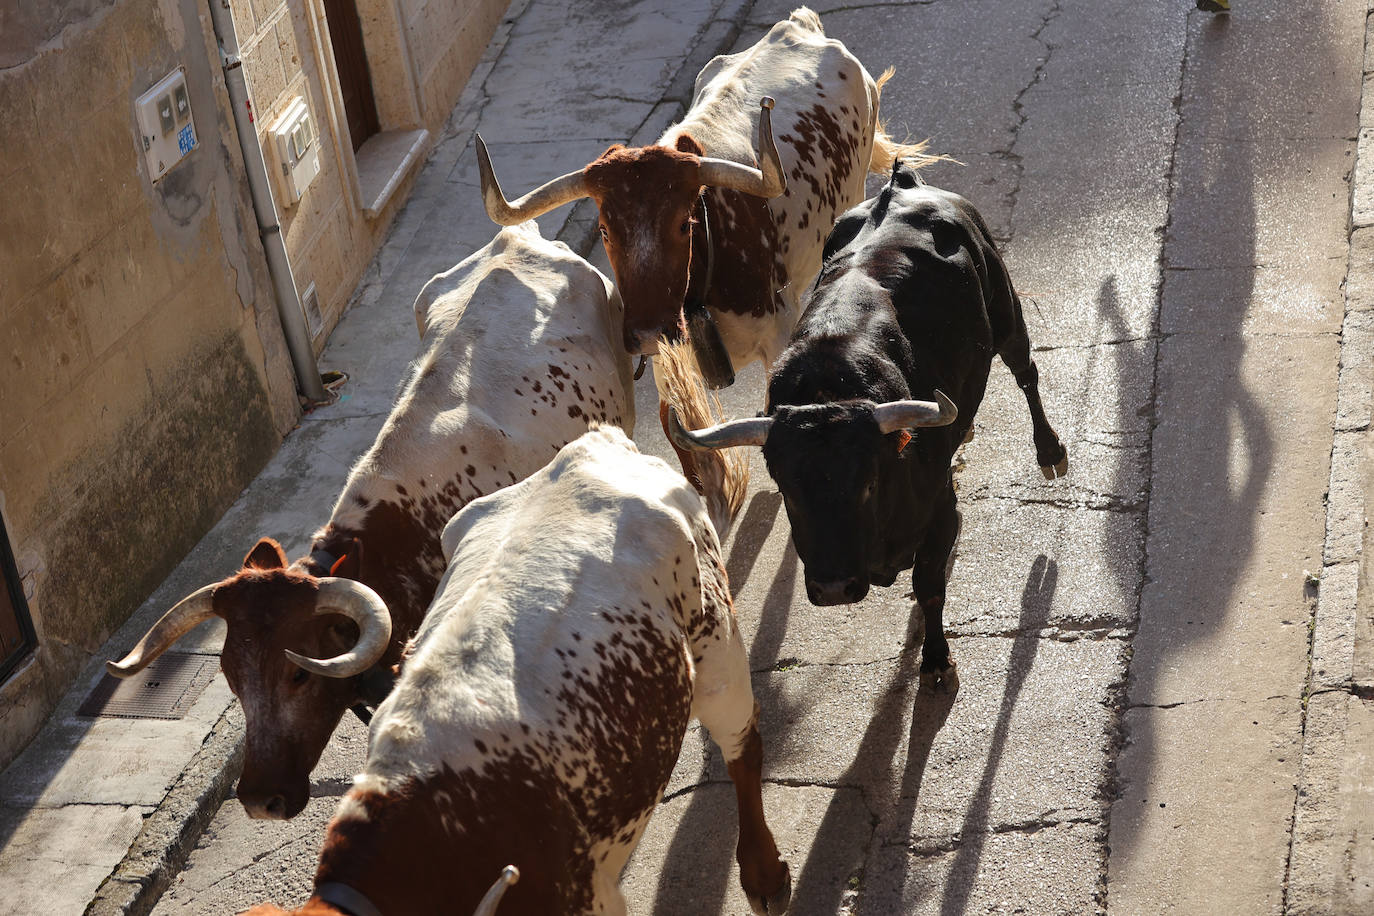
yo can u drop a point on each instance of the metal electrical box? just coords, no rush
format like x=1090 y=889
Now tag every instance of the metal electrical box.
x=165 y=124
x=297 y=150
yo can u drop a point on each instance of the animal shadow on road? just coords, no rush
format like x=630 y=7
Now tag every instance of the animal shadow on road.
x=1036 y=598
x=703 y=844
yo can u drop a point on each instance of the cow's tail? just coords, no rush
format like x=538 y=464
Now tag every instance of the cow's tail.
x=721 y=477
x=886 y=151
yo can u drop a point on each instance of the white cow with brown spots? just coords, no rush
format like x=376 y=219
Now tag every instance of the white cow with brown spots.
x=520 y=352
x=585 y=618
x=698 y=203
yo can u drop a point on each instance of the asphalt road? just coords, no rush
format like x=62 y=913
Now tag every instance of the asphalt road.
x=1171 y=192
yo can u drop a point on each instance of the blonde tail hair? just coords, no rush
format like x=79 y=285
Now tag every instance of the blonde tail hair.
x=721 y=477
x=886 y=151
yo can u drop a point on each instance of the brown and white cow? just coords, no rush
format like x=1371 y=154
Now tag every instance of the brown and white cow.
x=698 y=203
x=520 y=352
x=585 y=618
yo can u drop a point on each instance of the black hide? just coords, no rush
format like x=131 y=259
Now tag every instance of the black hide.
x=912 y=297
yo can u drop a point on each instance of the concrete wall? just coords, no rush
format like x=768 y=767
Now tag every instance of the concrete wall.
x=143 y=377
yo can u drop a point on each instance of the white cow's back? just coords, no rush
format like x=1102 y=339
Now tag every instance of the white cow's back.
x=520 y=351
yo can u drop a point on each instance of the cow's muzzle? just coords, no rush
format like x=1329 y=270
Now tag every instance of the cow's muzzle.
x=269 y=805
x=836 y=591
x=269 y=809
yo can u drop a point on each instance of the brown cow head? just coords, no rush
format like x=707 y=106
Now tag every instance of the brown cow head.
x=648 y=235
x=294 y=650
x=645 y=197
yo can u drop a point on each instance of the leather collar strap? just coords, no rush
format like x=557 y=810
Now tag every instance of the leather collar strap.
x=710 y=248
x=347 y=899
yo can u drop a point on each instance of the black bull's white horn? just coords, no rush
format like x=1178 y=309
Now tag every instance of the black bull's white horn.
x=892 y=416
x=364 y=607
x=767 y=181
x=896 y=415
x=749 y=431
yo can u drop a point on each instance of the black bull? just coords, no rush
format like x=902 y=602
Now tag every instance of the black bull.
x=912 y=299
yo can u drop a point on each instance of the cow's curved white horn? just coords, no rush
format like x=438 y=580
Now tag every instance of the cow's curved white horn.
x=364 y=607
x=895 y=415
x=541 y=200
x=748 y=431
x=185 y=615
x=768 y=181
x=509 y=876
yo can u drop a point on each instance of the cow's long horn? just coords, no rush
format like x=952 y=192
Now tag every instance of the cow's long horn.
x=364 y=607
x=768 y=181
x=185 y=615
x=487 y=907
x=541 y=200
x=895 y=415
x=748 y=431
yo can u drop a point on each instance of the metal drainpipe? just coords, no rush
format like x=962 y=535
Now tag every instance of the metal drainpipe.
x=265 y=209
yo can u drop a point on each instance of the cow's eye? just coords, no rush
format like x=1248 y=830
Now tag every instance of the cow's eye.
x=685 y=227
x=604 y=236
x=868 y=491
x=300 y=677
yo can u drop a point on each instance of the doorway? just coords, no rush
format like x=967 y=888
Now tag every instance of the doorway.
x=350 y=61
x=16 y=629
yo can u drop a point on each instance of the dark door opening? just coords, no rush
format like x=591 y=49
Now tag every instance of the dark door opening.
x=16 y=629
x=350 y=60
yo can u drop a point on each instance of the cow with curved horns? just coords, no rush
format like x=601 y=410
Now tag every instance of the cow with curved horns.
x=541 y=710
x=912 y=302
x=696 y=219
x=520 y=352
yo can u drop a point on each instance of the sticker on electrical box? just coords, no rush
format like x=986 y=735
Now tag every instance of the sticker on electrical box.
x=167 y=128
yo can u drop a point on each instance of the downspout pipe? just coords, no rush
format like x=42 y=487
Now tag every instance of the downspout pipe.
x=265 y=208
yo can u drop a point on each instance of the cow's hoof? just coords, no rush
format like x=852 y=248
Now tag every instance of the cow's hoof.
x=1056 y=470
x=945 y=681
x=776 y=902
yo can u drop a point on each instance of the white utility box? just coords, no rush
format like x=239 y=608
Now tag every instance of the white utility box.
x=165 y=124
x=297 y=150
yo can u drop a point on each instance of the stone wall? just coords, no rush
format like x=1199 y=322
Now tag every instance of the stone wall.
x=420 y=55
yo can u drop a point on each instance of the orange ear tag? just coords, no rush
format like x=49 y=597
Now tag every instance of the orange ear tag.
x=903 y=437
x=338 y=564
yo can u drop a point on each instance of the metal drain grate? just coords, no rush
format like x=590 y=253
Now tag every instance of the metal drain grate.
x=164 y=690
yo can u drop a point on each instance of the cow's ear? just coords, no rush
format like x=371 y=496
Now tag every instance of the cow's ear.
x=611 y=151
x=266 y=554
x=350 y=565
x=686 y=143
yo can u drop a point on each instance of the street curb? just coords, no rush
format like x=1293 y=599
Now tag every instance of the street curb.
x=1335 y=671
x=1333 y=631
x=172 y=831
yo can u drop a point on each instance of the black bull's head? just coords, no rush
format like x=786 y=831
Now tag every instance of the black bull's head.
x=835 y=465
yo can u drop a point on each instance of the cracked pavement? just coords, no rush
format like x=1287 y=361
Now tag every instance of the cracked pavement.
x=1158 y=710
